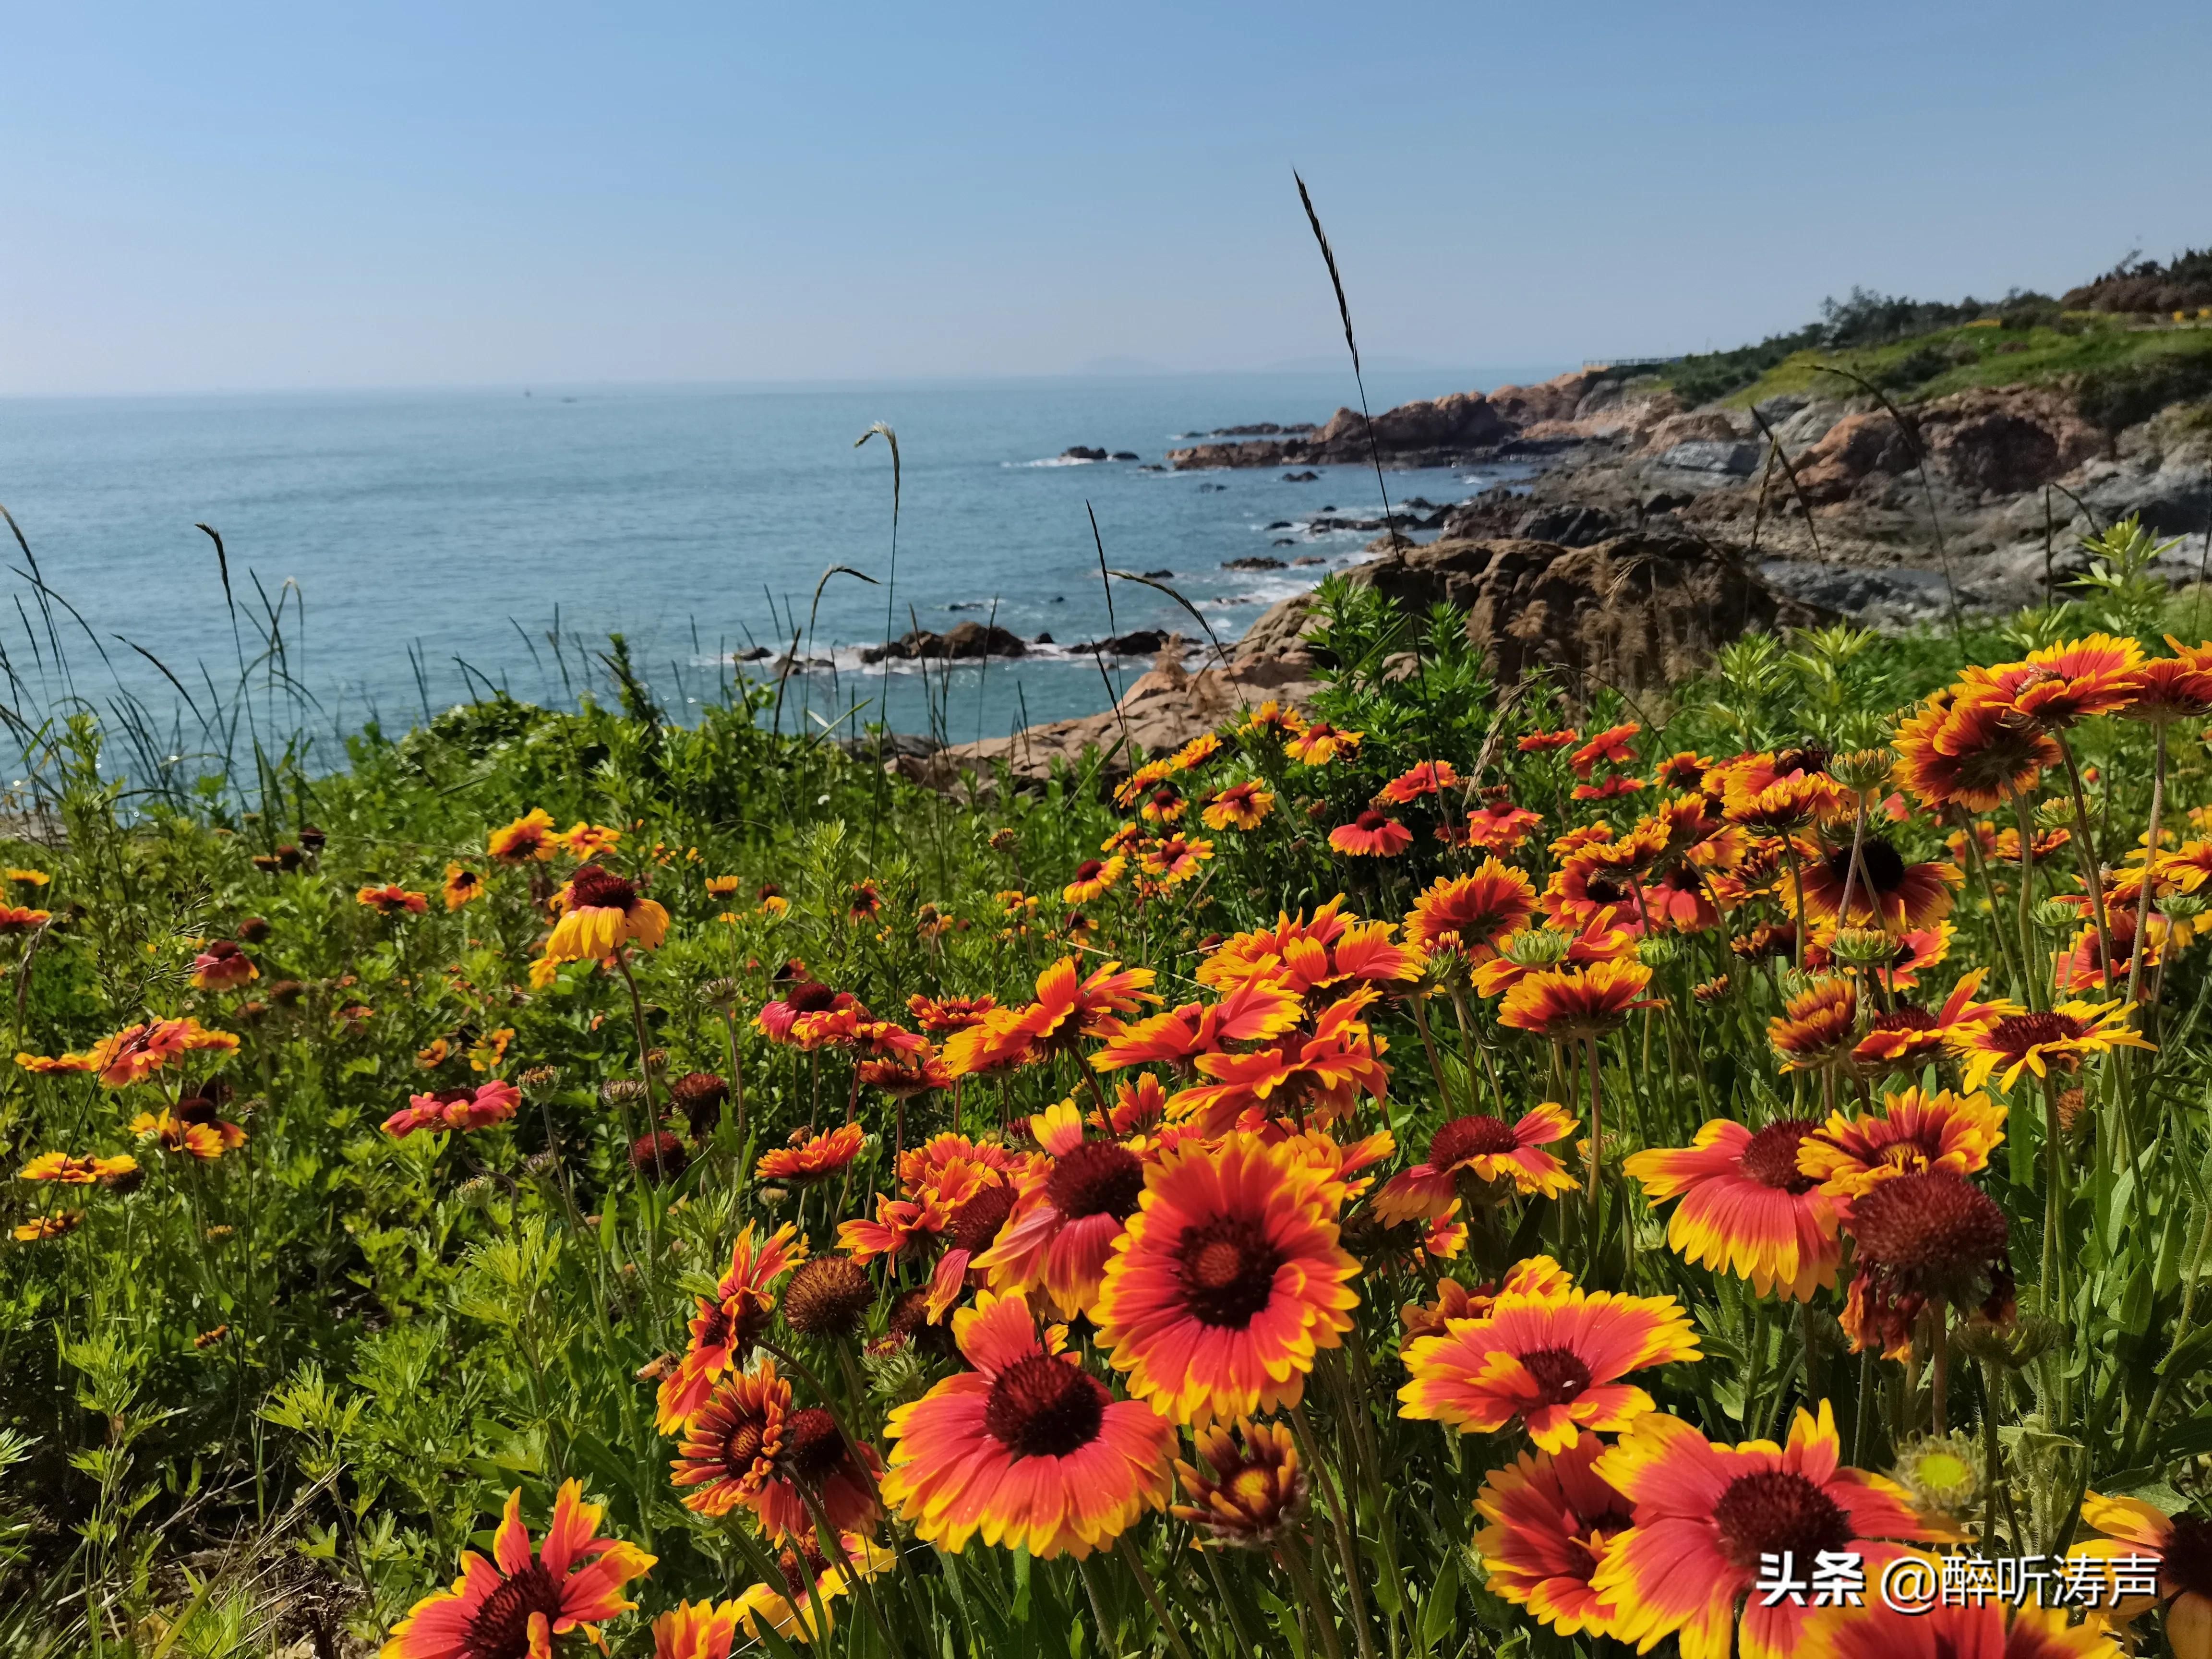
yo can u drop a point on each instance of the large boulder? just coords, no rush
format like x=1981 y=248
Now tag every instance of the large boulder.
x=968 y=641
x=1645 y=609
x=1987 y=442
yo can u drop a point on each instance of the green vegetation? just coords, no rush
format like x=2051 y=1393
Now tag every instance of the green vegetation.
x=364 y=1190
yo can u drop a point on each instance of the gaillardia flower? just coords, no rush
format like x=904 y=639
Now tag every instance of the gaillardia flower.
x=1227 y=1280
x=1884 y=891
x=1552 y=1360
x=1703 y=1515
x=1565 y=1004
x=1747 y=1207
x=601 y=912
x=1028 y=1449
x=1470 y=914
x=1915 y=1132
x=2044 y=1042
x=529 y=838
x=1918 y=1238
x=2181 y=1546
x=1548 y=1520
x=1253 y=1489
x=1371 y=835
x=1481 y=1157
x=513 y=1606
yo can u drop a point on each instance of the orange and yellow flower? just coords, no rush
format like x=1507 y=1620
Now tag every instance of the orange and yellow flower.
x=1500 y=826
x=1239 y=806
x=725 y=1327
x=1817 y=1027
x=517 y=1602
x=1747 y=1207
x=1428 y=778
x=1321 y=743
x=462 y=884
x=1371 y=835
x=2059 y=685
x=67 y=1170
x=1551 y=1360
x=223 y=966
x=814 y=1159
x=1564 y=1004
x=1990 y=1629
x=2043 y=1041
x=2181 y=1545
x=392 y=900
x=1884 y=890
x=601 y=912
x=529 y=838
x=1914 y=1133
x=1470 y=914
x=1027 y=1449
x=1253 y=1489
x=1094 y=878
x=1227 y=1281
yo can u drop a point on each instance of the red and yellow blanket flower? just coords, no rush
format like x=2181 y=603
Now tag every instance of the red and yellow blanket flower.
x=222 y=965
x=65 y=1169
x=1551 y=1360
x=136 y=1052
x=815 y=1158
x=726 y=1449
x=1319 y=744
x=1481 y=1158
x=2059 y=685
x=1308 y=1081
x=1238 y=807
x=1371 y=835
x=795 y=1606
x=1548 y=1519
x=1905 y=1038
x=1921 y=1238
x=464 y=1110
x=1883 y=889
x=529 y=838
x=1027 y=1449
x=1817 y=1027
x=516 y=1602
x=725 y=1326
x=1500 y=826
x=1703 y=1515
x=1470 y=914
x=1070 y=1005
x=1912 y=1133
x=1058 y=1232
x=1990 y=1630
x=392 y=900
x=1227 y=1281
x=201 y=1134
x=1093 y=879
x=463 y=886
x=2044 y=1042
x=1965 y=753
x=601 y=912
x=1565 y=1004
x=2180 y=1545
x=1746 y=1208
x=1611 y=745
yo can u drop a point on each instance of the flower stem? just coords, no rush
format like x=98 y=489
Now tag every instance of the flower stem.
x=1136 y=1560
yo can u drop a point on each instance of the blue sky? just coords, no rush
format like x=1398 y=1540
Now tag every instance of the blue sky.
x=243 y=196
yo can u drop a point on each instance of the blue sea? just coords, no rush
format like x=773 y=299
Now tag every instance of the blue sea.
x=419 y=547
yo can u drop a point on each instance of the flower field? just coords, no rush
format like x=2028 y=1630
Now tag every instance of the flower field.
x=1465 y=1170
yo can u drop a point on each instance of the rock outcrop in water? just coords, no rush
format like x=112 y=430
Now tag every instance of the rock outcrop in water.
x=1434 y=432
x=966 y=640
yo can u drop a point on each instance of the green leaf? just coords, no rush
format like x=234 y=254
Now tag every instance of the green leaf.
x=1440 y=1615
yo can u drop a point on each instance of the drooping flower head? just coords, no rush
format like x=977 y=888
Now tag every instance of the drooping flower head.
x=601 y=912
x=1566 y=1004
x=1551 y=1361
x=1371 y=835
x=726 y=1325
x=513 y=1606
x=1027 y=1449
x=1705 y=1514
x=1226 y=1282
x=1428 y=778
x=1884 y=891
x=1470 y=914
x=462 y=1109
x=1747 y=1207
x=1817 y=1027
x=1965 y=755
x=1500 y=826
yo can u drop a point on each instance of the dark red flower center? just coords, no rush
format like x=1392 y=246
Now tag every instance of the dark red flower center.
x=1904 y=1017
x=1560 y=1374
x=500 y=1628
x=1370 y=821
x=1929 y=1229
x=1465 y=1138
x=1226 y=1268
x=1097 y=1178
x=975 y=1225
x=1774 y=1511
x=1044 y=1407
x=1089 y=869
x=1770 y=1156
x=595 y=889
x=2016 y=1034
x=1603 y=887
x=1810 y=758
x=741 y=1445
x=2188 y=1557
x=808 y=997
x=1881 y=867
x=800 y=1568
x=828 y=1296
x=813 y=1446
x=1164 y=797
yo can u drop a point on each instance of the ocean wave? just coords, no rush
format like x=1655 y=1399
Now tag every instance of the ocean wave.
x=1057 y=460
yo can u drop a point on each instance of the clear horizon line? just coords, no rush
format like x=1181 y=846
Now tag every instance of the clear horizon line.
x=1281 y=370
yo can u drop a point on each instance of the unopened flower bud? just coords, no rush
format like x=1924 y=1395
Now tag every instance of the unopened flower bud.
x=2055 y=814
x=2056 y=915
x=1864 y=947
x=1537 y=947
x=1863 y=769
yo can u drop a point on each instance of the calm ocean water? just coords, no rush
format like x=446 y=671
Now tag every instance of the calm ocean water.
x=422 y=531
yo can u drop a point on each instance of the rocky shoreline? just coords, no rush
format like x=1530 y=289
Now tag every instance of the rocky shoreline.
x=1651 y=534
